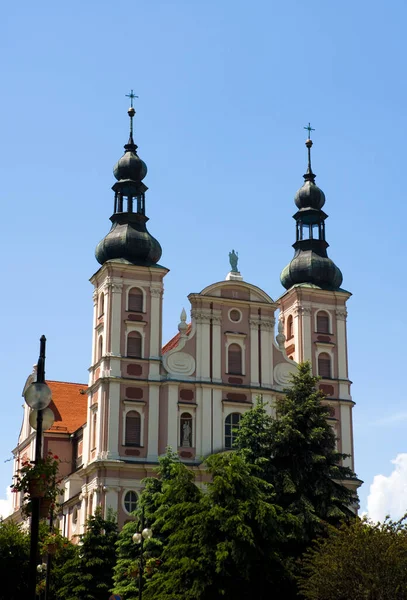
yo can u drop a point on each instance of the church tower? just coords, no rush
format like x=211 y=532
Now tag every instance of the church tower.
x=313 y=309
x=123 y=407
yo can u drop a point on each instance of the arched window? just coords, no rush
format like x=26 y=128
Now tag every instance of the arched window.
x=100 y=347
x=130 y=501
x=134 y=344
x=235 y=359
x=94 y=426
x=133 y=428
x=322 y=322
x=232 y=424
x=324 y=365
x=186 y=430
x=135 y=303
x=290 y=327
x=101 y=309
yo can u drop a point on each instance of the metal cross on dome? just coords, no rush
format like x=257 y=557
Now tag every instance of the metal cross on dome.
x=131 y=96
x=309 y=129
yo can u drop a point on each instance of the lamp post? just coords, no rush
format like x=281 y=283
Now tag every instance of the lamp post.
x=138 y=538
x=37 y=396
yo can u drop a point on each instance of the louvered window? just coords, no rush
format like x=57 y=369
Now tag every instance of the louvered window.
x=135 y=300
x=235 y=359
x=324 y=365
x=133 y=428
x=232 y=424
x=134 y=344
x=100 y=347
x=322 y=322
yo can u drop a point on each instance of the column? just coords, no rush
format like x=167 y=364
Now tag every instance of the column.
x=153 y=412
x=346 y=434
x=254 y=351
x=341 y=343
x=306 y=326
x=155 y=320
x=114 y=414
x=206 y=421
x=173 y=418
x=113 y=329
x=216 y=348
x=265 y=334
x=218 y=420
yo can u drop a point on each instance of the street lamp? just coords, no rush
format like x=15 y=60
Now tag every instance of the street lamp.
x=37 y=396
x=138 y=538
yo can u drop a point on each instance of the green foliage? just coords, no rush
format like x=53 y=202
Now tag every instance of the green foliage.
x=14 y=560
x=172 y=488
x=361 y=561
x=223 y=543
x=306 y=469
x=88 y=574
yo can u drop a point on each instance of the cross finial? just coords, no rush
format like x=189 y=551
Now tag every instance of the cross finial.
x=131 y=96
x=308 y=128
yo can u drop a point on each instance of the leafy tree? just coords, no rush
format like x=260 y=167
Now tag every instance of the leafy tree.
x=88 y=574
x=361 y=560
x=14 y=560
x=224 y=543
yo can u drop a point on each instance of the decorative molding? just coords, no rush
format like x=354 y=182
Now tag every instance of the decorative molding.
x=264 y=324
x=304 y=311
x=179 y=363
x=216 y=319
x=156 y=292
x=113 y=286
x=341 y=314
x=283 y=372
x=95 y=296
x=201 y=317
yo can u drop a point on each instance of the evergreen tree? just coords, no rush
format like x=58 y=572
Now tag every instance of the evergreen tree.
x=14 y=561
x=89 y=572
x=125 y=575
x=305 y=468
x=224 y=543
x=172 y=487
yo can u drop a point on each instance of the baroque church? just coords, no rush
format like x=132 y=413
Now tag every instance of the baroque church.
x=189 y=394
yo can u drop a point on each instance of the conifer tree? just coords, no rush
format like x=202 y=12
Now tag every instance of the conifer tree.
x=89 y=572
x=172 y=487
x=306 y=470
x=223 y=544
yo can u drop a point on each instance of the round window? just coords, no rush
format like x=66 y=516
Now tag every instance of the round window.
x=235 y=315
x=130 y=501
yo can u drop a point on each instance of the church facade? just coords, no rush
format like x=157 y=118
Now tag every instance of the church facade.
x=190 y=393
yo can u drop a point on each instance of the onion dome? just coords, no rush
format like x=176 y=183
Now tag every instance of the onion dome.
x=311 y=264
x=309 y=267
x=130 y=165
x=309 y=195
x=128 y=239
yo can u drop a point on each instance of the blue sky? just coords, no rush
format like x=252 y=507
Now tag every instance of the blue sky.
x=225 y=89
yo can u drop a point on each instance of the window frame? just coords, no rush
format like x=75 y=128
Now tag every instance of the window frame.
x=126 y=442
x=232 y=426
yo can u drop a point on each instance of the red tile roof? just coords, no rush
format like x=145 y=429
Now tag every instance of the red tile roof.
x=173 y=343
x=69 y=405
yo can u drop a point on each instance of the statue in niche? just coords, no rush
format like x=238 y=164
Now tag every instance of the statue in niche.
x=233 y=258
x=186 y=434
